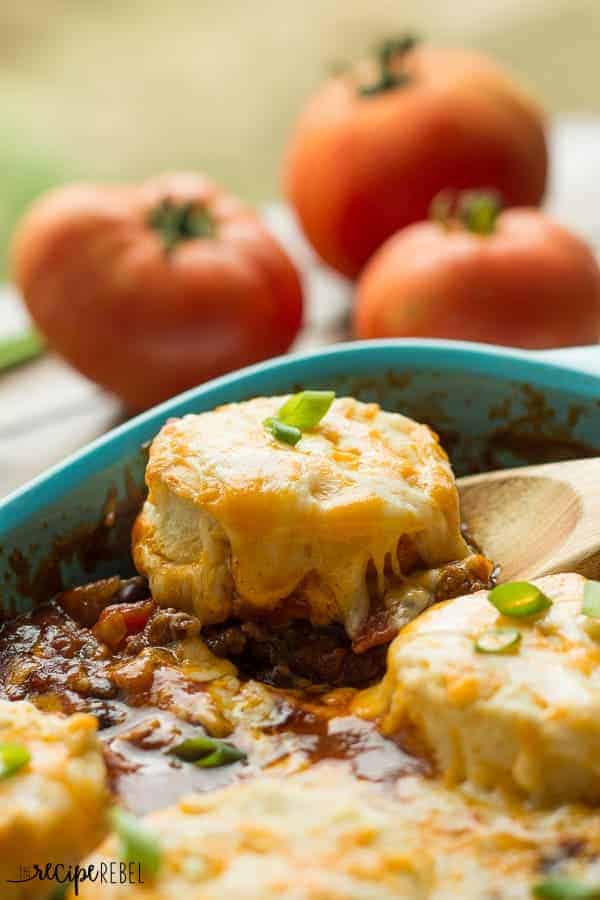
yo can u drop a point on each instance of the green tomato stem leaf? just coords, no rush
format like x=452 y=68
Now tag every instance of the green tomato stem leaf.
x=479 y=210
x=390 y=58
x=177 y=222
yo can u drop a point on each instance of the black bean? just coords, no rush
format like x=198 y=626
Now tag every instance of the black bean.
x=134 y=590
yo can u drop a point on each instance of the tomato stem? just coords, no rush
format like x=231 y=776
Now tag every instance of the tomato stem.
x=177 y=222
x=388 y=54
x=477 y=211
x=441 y=209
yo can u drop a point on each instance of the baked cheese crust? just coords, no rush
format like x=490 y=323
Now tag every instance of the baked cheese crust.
x=53 y=810
x=323 y=835
x=237 y=523
x=528 y=720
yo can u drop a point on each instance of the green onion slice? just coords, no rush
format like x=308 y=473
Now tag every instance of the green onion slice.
x=498 y=640
x=12 y=759
x=288 y=434
x=565 y=889
x=518 y=599
x=208 y=753
x=306 y=409
x=299 y=413
x=138 y=843
x=591 y=599
x=59 y=892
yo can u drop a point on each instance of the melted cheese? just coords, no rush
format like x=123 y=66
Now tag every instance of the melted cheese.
x=236 y=521
x=323 y=834
x=528 y=720
x=54 y=808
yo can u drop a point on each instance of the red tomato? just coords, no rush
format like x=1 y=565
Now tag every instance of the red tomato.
x=527 y=283
x=154 y=288
x=374 y=146
x=121 y=620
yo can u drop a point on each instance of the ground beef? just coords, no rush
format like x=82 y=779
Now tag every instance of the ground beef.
x=297 y=651
x=465 y=576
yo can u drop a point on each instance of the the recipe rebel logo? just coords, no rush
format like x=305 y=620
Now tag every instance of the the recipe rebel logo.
x=65 y=876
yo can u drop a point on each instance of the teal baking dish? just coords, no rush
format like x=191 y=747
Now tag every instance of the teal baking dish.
x=492 y=407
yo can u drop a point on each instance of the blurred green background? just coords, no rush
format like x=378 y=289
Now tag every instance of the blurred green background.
x=119 y=89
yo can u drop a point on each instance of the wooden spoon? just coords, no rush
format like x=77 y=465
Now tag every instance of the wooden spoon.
x=537 y=520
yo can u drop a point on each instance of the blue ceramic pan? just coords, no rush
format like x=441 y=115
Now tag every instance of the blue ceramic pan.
x=493 y=408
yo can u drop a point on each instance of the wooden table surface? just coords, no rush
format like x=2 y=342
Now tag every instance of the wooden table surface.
x=47 y=410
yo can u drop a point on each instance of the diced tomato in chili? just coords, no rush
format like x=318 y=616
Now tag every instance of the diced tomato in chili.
x=119 y=621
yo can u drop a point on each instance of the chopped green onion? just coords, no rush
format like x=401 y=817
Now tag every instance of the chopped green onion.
x=565 y=889
x=138 y=843
x=12 y=759
x=518 y=599
x=299 y=413
x=60 y=892
x=208 y=753
x=287 y=434
x=498 y=640
x=591 y=599
x=306 y=409
x=20 y=349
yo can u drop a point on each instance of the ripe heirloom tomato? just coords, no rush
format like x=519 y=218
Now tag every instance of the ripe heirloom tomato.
x=151 y=289
x=377 y=143
x=515 y=278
